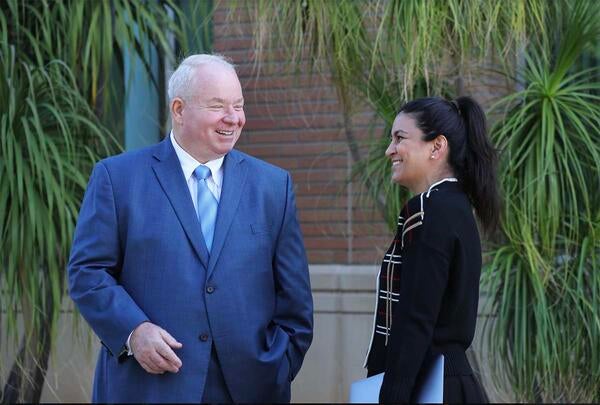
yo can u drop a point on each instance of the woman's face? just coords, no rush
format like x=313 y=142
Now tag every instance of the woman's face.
x=409 y=154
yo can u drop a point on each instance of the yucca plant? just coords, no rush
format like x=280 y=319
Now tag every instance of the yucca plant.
x=94 y=37
x=543 y=279
x=383 y=52
x=49 y=140
x=91 y=37
x=61 y=87
x=403 y=41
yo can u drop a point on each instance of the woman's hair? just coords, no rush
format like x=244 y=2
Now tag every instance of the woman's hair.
x=472 y=156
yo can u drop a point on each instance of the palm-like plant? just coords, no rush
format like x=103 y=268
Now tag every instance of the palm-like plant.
x=545 y=290
x=62 y=82
x=402 y=42
x=50 y=137
x=91 y=37
x=385 y=51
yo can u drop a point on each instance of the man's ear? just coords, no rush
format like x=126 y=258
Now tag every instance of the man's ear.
x=177 y=110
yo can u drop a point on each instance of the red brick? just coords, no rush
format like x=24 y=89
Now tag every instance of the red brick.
x=295 y=121
x=307 y=163
x=320 y=188
x=371 y=242
x=227 y=28
x=293 y=149
x=321 y=257
x=226 y=14
x=322 y=243
x=280 y=81
x=328 y=202
x=291 y=95
x=323 y=134
x=304 y=110
x=271 y=135
x=325 y=230
x=337 y=161
x=318 y=175
x=252 y=137
x=313 y=121
x=370 y=229
x=368 y=257
x=250 y=67
x=308 y=216
x=234 y=43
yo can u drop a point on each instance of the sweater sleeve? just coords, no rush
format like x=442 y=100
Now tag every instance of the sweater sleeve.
x=425 y=271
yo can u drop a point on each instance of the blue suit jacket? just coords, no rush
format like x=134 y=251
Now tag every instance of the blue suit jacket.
x=138 y=254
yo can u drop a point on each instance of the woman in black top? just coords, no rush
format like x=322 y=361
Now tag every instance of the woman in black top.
x=428 y=286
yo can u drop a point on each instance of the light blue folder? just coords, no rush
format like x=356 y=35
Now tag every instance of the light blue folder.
x=430 y=391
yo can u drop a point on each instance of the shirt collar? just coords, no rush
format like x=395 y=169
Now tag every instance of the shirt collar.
x=189 y=164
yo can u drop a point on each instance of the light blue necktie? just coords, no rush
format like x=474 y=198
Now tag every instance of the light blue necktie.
x=207 y=205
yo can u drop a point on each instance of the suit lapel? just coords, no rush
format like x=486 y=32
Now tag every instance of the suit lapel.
x=234 y=177
x=168 y=171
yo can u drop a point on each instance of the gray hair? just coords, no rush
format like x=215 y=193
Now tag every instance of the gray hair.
x=182 y=77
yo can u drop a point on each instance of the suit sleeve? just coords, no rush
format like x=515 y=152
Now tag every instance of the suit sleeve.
x=94 y=267
x=294 y=306
x=425 y=269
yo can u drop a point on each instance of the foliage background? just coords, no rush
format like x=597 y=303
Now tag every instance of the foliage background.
x=62 y=89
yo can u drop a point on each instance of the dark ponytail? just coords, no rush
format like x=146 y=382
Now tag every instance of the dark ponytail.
x=472 y=157
x=481 y=160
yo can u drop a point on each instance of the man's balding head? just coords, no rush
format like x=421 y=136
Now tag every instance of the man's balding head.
x=185 y=78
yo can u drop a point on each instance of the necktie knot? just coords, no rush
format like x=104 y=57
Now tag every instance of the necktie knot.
x=202 y=172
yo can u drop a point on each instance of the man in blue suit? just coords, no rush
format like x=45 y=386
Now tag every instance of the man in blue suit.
x=188 y=260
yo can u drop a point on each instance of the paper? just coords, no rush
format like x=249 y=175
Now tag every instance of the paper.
x=430 y=389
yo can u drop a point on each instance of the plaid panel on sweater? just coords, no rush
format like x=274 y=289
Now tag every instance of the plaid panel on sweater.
x=389 y=277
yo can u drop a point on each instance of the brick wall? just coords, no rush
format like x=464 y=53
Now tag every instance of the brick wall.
x=296 y=122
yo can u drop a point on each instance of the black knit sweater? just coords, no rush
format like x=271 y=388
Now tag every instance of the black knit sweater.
x=428 y=289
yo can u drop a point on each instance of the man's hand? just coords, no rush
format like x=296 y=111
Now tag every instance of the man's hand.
x=153 y=347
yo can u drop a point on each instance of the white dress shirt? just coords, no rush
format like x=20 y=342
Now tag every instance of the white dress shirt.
x=188 y=165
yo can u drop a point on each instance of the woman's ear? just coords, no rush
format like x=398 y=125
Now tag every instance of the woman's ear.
x=440 y=147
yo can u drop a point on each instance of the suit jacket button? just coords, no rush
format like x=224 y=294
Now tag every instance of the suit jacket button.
x=210 y=289
x=204 y=337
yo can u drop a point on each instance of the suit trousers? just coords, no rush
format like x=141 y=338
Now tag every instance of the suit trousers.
x=215 y=388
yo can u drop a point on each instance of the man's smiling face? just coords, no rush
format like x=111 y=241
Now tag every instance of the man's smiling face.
x=212 y=115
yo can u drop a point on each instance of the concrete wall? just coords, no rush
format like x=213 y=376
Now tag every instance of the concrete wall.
x=344 y=302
